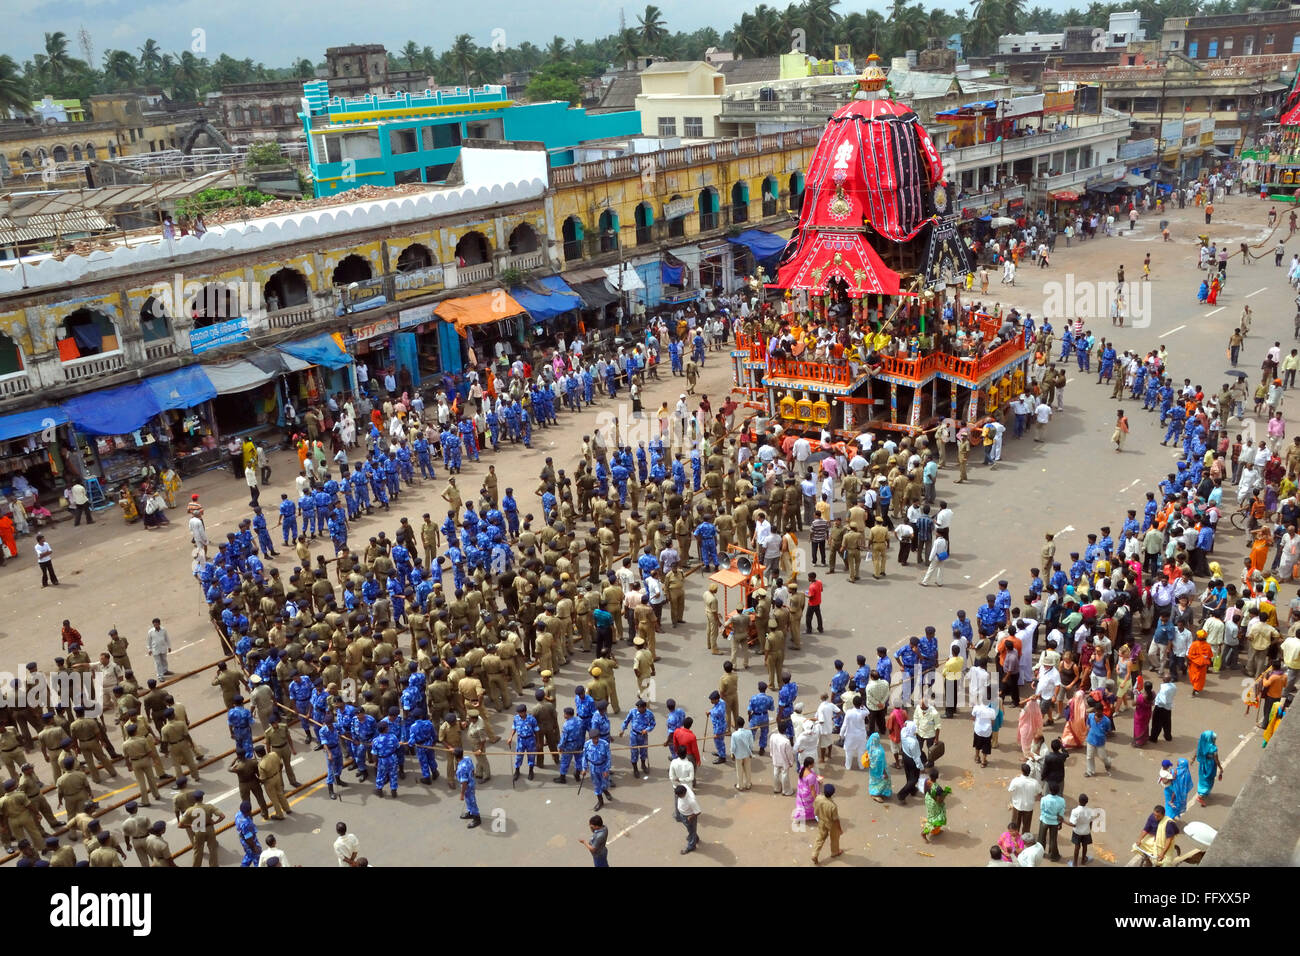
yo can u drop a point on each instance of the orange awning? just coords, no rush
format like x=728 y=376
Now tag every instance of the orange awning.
x=479 y=309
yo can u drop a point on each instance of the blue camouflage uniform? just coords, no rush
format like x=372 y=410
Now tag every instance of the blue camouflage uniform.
x=525 y=727
x=718 y=720
x=288 y=520
x=760 y=705
x=571 y=745
x=465 y=775
x=494 y=430
x=385 y=747
x=584 y=707
x=240 y=722
x=329 y=738
x=362 y=728
x=596 y=758
x=263 y=535
x=707 y=533
x=672 y=721
x=247 y=831
x=422 y=737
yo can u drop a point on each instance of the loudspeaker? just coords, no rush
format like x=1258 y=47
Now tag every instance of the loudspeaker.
x=744 y=564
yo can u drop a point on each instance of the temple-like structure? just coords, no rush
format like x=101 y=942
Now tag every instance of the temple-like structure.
x=877 y=249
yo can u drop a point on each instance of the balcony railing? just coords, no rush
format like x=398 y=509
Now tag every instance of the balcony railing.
x=18 y=384
x=159 y=350
x=468 y=275
x=978 y=202
x=295 y=316
x=79 y=369
x=525 y=260
x=982 y=153
x=683 y=156
x=1104 y=173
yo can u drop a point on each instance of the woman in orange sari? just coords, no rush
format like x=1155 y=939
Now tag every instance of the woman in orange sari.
x=7 y=538
x=1199 y=658
x=1075 y=734
x=1259 y=549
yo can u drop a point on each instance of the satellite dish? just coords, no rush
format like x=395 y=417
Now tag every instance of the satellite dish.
x=744 y=564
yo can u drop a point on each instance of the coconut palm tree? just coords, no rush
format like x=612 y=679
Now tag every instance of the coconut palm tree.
x=303 y=69
x=985 y=25
x=57 y=62
x=119 y=67
x=462 y=56
x=150 y=58
x=628 y=45
x=556 y=50
x=529 y=56
x=1013 y=14
x=186 y=77
x=909 y=26
x=651 y=26
x=410 y=53
x=14 y=96
x=820 y=20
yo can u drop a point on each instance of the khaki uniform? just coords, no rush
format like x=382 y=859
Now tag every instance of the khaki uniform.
x=645 y=626
x=30 y=784
x=200 y=820
x=729 y=688
x=675 y=585
x=180 y=748
x=139 y=758
x=712 y=621
x=607 y=666
x=963 y=455
x=277 y=741
x=157 y=851
x=495 y=670
x=878 y=536
x=774 y=653
x=480 y=735
x=20 y=819
x=853 y=553
x=643 y=667
x=74 y=791
x=11 y=751
x=449 y=736
x=270 y=769
x=798 y=602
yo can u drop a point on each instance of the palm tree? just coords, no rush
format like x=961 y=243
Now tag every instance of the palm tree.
x=487 y=66
x=186 y=77
x=628 y=45
x=820 y=21
x=530 y=57
x=985 y=25
x=556 y=50
x=303 y=70
x=57 y=62
x=14 y=97
x=461 y=55
x=651 y=24
x=119 y=67
x=1013 y=12
x=410 y=51
x=150 y=59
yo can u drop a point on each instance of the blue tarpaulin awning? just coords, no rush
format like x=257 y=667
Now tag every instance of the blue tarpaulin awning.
x=765 y=247
x=320 y=349
x=21 y=424
x=120 y=411
x=558 y=299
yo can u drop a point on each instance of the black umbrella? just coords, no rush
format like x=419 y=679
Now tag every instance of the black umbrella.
x=1234 y=371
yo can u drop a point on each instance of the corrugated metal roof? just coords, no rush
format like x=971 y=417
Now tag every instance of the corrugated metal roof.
x=77 y=223
x=109 y=197
x=621 y=93
x=751 y=70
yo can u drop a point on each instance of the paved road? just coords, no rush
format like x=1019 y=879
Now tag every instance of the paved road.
x=1074 y=483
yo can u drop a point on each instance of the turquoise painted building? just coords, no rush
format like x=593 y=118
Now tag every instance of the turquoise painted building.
x=416 y=137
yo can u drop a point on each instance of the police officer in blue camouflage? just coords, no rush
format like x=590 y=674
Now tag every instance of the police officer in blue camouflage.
x=422 y=737
x=465 y=775
x=362 y=728
x=524 y=735
x=718 y=724
x=385 y=747
x=329 y=742
x=571 y=735
x=240 y=722
x=596 y=759
x=247 y=831
x=760 y=705
x=642 y=721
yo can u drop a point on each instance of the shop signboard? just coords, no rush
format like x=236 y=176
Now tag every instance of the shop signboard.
x=362 y=332
x=218 y=334
x=409 y=318
x=676 y=208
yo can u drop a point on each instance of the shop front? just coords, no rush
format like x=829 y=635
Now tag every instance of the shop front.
x=139 y=430
x=485 y=327
x=553 y=308
x=417 y=342
x=247 y=398
x=318 y=366
x=35 y=455
x=372 y=344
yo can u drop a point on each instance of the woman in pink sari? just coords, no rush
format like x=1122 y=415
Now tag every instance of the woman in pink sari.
x=809 y=787
x=1075 y=734
x=1142 y=707
x=1029 y=725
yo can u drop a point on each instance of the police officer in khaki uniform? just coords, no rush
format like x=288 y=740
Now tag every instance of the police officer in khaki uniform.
x=155 y=845
x=180 y=746
x=878 y=538
x=135 y=829
x=963 y=454
x=270 y=770
x=31 y=785
x=548 y=723
x=495 y=671
x=11 y=751
x=280 y=742
x=479 y=736
x=852 y=553
x=117 y=645
x=450 y=739
x=675 y=585
x=774 y=650
x=200 y=821
x=798 y=601
x=729 y=688
x=73 y=788
x=18 y=815
x=642 y=665
x=712 y=619
x=139 y=757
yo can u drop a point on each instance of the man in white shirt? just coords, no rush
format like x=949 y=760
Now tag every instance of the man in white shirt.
x=783 y=768
x=1032 y=854
x=80 y=504
x=978 y=682
x=272 y=852
x=1081 y=818
x=157 y=643
x=682 y=770
x=1042 y=415
x=346 y=846
x=251 y=479
x=1023 y=790
x=687 y=813
x=45 y=558
x=390 y=383
x=854 y=731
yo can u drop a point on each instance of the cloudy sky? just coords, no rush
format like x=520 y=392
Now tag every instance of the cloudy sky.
x=275 y=32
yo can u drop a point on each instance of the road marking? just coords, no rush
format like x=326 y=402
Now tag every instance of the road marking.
x=1216 y=311
x=1068 y=381
x=1068 y=527
x=628 y=829
x=183 y=646
x=1244 y=740
x=994 y=578
x=1129 y=485
x=1172 y=331
x=303 y=796
x=1255 y=293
